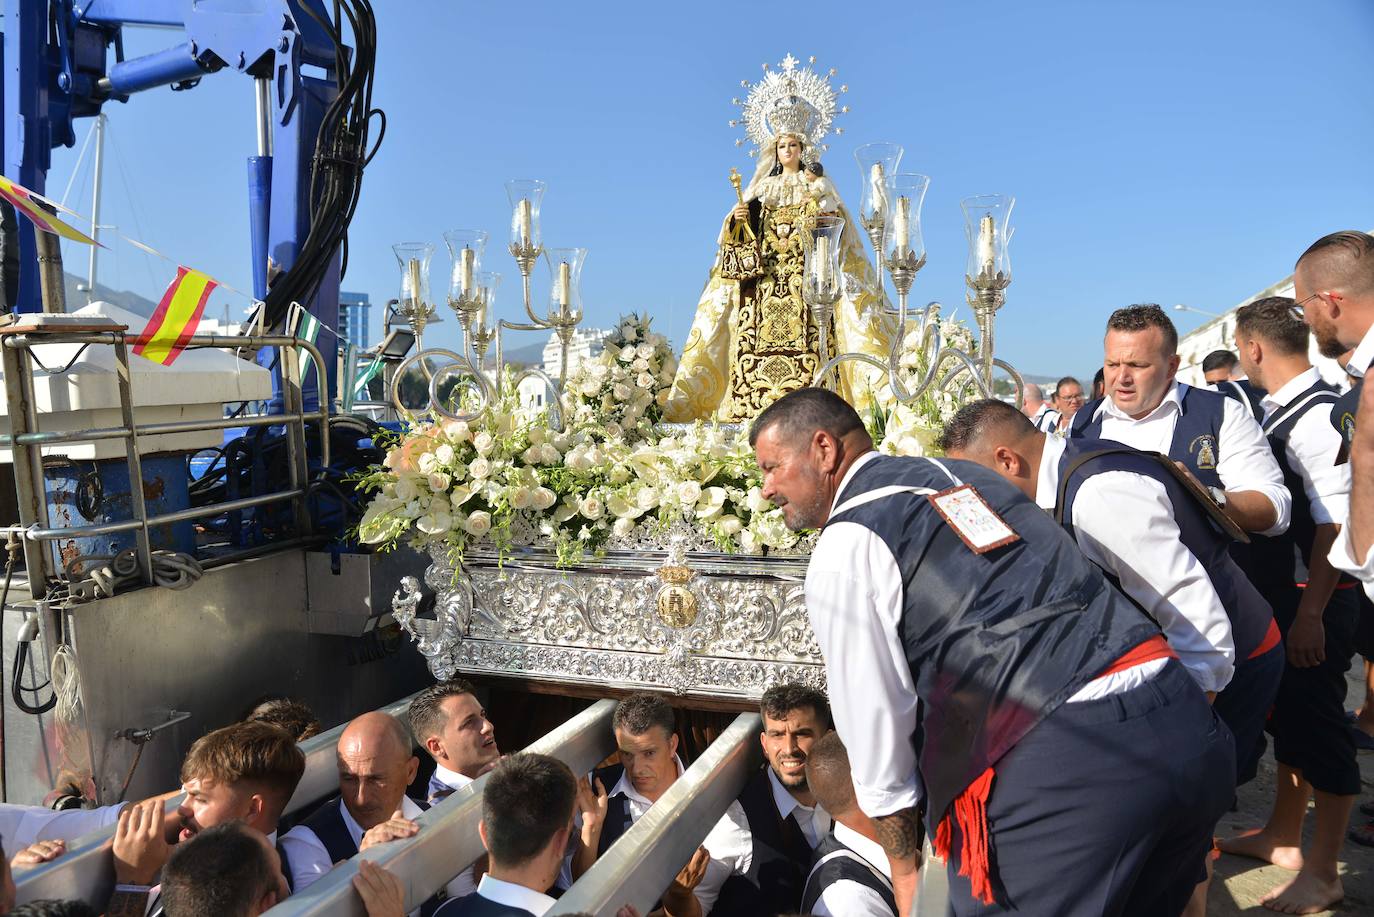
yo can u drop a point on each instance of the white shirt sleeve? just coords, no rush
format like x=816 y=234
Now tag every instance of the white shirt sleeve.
x=1342 y=557
x=854 y=601
x=1247 y=463
x=1311 y=452
x=847 y=898
x=731 y=847
x=306 y=854
x=1155 y=569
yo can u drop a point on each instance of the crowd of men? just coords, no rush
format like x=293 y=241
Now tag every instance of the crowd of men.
x=1053 y=654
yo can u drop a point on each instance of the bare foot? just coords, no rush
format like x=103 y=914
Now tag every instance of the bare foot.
x=1260 y=845
x=1304 y=894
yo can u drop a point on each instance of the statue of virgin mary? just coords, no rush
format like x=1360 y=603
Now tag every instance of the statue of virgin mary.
x=755 y=340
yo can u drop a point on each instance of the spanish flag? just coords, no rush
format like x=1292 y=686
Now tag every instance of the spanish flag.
x=176 y=317
x=23 y=201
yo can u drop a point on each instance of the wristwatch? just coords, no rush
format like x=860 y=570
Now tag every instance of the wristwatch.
x=1218 y=495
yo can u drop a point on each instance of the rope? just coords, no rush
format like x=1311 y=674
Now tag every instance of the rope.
x=112 y=572
x=66 y=684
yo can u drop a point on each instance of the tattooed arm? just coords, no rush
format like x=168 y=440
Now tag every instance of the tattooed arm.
x=900 y=835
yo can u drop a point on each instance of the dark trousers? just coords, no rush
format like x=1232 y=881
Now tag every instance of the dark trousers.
x=1308 y=723
x=1107 y=807
x=1244 y=706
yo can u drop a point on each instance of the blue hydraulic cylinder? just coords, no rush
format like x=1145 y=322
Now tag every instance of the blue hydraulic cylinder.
x=161 y=68
x=259 y=214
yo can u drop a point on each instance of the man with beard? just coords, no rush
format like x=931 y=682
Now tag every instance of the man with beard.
x=1333 y=284
x=375 y=767
x=244 y=772
x=785 y=822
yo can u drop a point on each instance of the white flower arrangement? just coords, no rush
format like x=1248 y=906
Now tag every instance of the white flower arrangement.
x=603 y=477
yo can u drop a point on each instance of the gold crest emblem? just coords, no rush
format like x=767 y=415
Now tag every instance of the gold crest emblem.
x=1348 y=426
x=1206 y=448
x=677 y=604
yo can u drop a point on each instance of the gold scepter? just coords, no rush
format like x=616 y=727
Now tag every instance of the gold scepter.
x=739 y=249
x=741 y=231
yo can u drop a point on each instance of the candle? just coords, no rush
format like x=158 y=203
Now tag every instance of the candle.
x=877 y=190
x=469 y=263
x=987 y=250
x=824 y=275
x=564 y=285
x=526 y=223
x=901 y=225
x=413 y=275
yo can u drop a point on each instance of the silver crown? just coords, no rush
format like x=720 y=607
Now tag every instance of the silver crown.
x=790 y=100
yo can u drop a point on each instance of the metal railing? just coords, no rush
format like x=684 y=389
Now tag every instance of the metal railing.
x=448 y=841
x=86 y=871
x=640 y=865
x=27 y=440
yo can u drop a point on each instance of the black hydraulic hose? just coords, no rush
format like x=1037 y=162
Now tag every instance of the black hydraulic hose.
x=21 y=658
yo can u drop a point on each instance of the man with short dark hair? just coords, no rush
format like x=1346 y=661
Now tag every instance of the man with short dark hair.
x=451 y=724
x=1316 y=607
x=1333 y=284
x=980 y=668
x=850 y=875
x=292 y=715
x=1218 y=366
x=228 y=870
x=784 y=821
x=646 y=736
x=527 y=812
x=1214 y=437
x=375 y=767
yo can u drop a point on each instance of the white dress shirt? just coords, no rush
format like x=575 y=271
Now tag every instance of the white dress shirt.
x=1244 y=460
x=1124 y=523
x=847 y=898
x=21 y=826
x=854 y=602
x=1311 y=451
x=1342 y=554
x=814 y=821
x=1049 y=421
x=465 y=883
x=309 y=859
x=511 y=895
x=1363 y=356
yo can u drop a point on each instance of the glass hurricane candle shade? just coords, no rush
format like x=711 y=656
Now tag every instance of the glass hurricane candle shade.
x=565 y=274
x=415 y=302
x=902 y=239
x=525 y=195
x=822 y=277
x=465 y=248
x=487 y=284
x=878 y=162
x=987 y=224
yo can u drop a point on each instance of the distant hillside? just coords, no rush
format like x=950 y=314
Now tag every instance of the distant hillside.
x=125 y=299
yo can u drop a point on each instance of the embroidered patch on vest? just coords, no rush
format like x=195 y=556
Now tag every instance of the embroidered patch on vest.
x=973 y=520
x=1206 y=448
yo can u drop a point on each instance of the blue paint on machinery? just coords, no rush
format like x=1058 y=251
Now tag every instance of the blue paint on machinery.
x=95 y=492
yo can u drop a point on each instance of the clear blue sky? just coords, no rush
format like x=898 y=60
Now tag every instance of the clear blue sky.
x=1173 y=151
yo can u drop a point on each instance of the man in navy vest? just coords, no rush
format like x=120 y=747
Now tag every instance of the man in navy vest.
x=527 y=812
x=1157 y=541
x=1317 y=608
x=646 y=738
x=1219 y=370
x=850 y=875
x=375 y=767
x=1214 y=437
x=1333 y=284
x=982 y=669
x=244 y=772
x=785 y=822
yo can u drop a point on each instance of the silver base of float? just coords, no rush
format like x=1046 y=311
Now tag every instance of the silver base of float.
x=271 y=625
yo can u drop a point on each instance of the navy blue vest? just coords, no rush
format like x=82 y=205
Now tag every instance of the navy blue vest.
x=1282 y=559
x=475 y=905
x=781 y=857
x=1197 y=435
x=1246 y=394
x=845 y=865
x=618 y=819
x=1246 y=608
x=995 y=641
x=1343 y=417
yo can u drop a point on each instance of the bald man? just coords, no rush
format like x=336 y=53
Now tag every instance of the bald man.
x=376 y=765
x=850 y=873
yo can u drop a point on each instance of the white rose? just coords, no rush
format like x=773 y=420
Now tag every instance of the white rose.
x=483 y=443
x=627 y=353
x=549 y=454
x=479 y=469
x=644 y=380
x=590 y=387
x=749 y=542
x=438 y=481
x=478 y=524
x=756 y=502
x=457 y=430
x=578 y=460
x=731 y=525
x=444 y=454
x=425 y=464
x=544 y=498
x=613 y=430
x=406 y=490
x=644 y=351
x=639 y=365
x=623 y=526
x=619 y=474
x=532 y=455
x=688 y=493
x=538 y=436
x=521 y=498
x=628 y=332
x=592 y=508
x=621 y=391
